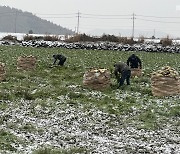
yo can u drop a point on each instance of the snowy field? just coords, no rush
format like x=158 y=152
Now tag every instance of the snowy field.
x=66 y=126
x=50 y=108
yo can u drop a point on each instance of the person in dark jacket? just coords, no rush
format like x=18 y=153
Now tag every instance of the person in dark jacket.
x=134 y=61
x=122 y=73
x=59 y=57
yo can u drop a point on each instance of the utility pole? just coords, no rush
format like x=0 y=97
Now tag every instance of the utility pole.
x=15 y=21
x=133 y=26
x=154 y=33
x=75 y=31
x=78 y=22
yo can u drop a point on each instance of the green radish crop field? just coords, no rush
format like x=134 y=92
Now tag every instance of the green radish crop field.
x=49 y=111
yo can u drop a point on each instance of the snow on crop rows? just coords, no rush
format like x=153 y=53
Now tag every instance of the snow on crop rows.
x=62 y=125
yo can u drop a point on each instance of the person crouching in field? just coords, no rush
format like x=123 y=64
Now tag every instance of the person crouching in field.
x=122 y=73
x=61 y=59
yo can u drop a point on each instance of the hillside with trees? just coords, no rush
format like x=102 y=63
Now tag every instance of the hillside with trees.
x=17 y=21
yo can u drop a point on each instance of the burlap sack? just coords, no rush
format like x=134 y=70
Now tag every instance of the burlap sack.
x=136 y=72
x=165 y=86
x=165 y=82
x=26 y=62
x=2 y=71
x=97 y=79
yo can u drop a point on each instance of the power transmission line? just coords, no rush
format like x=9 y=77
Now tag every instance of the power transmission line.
x=57 y=17
x=103 y=15
x=66 y=14
x=11 y=12
x=103 y=18
x=146 y=18
x=158 y=21
x=98 y=16
x=158 y=17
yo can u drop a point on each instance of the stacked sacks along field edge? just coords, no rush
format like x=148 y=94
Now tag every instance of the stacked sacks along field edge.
x=97 y=79
x=165 y=82
x=2 y=71
x=26 y=62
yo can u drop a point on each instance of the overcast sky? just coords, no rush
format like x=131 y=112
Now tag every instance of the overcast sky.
x=151 y=15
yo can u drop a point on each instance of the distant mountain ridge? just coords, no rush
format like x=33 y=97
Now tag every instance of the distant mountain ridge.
x=16 y=21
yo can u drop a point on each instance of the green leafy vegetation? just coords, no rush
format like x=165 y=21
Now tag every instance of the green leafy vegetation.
x=6 y=140
x=47 y=86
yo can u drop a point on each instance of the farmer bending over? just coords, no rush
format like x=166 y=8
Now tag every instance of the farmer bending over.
x=122 y=73
x=59 y=57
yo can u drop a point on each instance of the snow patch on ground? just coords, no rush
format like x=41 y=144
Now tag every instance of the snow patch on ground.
x=68 y=125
